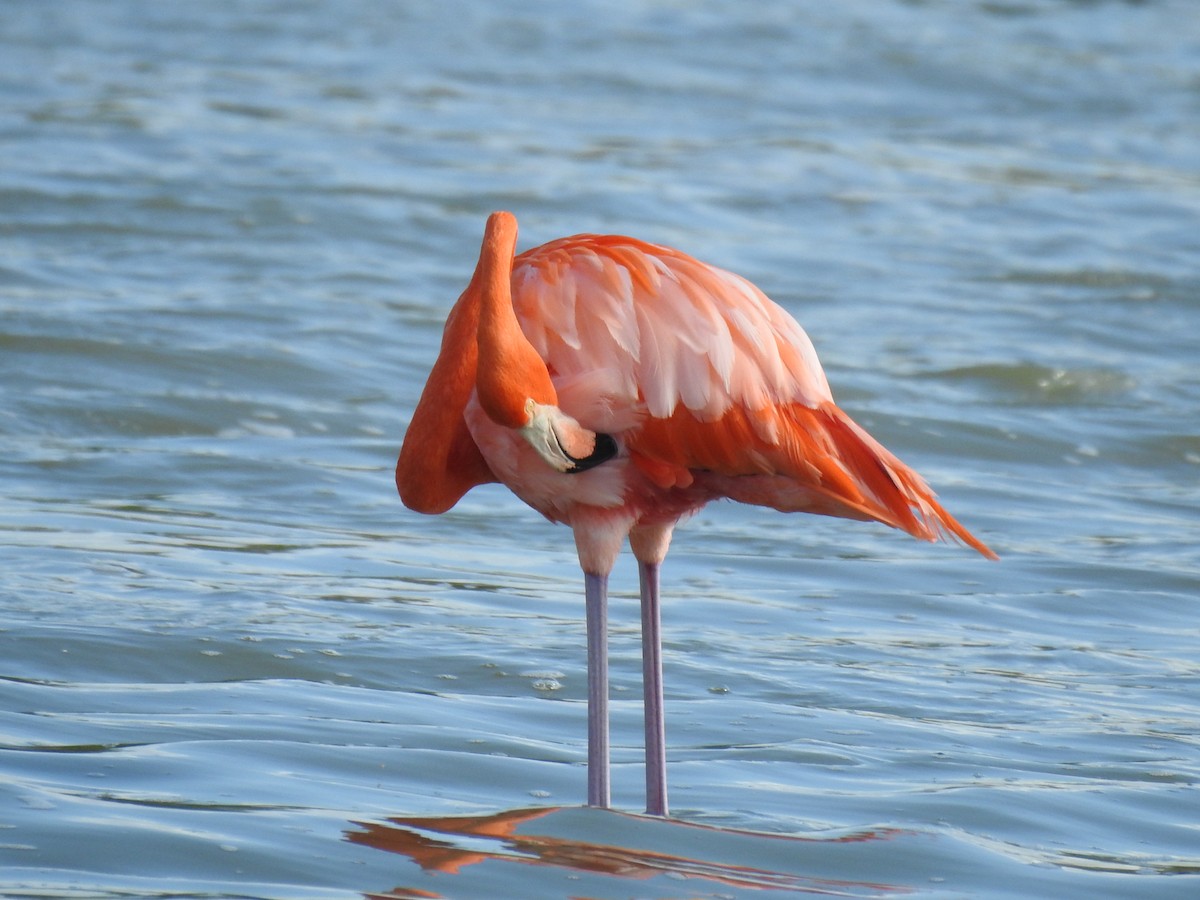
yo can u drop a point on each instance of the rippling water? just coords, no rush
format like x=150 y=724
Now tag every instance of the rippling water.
x=233 y=665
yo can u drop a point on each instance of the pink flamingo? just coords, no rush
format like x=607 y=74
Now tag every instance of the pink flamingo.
x=618 y=386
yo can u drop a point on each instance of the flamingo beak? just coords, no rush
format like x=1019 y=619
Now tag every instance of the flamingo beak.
x=563 y=443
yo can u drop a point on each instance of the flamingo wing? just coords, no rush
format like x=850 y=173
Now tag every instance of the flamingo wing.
x=672 y=330
x=706 y=378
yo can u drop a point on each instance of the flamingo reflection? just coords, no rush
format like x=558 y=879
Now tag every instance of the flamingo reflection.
x=448 y=844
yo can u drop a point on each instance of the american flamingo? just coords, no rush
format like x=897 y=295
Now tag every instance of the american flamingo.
x=618 y=386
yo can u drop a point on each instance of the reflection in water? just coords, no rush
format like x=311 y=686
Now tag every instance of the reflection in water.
x=448 y=844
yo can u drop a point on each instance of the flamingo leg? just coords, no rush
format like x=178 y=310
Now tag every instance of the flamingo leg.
x=596 y=598
x=652 y=687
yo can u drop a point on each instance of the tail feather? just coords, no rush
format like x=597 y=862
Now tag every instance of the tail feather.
x=796 y=458
x=895 y=493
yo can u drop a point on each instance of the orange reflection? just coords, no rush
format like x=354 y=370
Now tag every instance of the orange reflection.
x=448 y=844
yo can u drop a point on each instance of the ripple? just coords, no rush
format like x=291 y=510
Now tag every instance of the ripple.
x=1040 y=385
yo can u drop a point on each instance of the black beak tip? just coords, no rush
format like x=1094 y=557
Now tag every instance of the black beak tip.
x=605 y=449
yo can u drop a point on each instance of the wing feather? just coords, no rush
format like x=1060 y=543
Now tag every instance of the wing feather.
x=682 y=333
x=709 y=379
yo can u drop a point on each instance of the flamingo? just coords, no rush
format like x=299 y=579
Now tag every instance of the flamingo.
x=618 y=386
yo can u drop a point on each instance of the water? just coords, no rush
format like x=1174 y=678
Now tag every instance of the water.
x=234 y=666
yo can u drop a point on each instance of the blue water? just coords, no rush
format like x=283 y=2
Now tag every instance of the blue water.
x=233 y=665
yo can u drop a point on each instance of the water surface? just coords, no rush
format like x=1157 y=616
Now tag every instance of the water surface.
x=233 y=665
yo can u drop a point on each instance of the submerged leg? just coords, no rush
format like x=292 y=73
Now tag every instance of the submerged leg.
x=596 y=598
x=652 y=686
